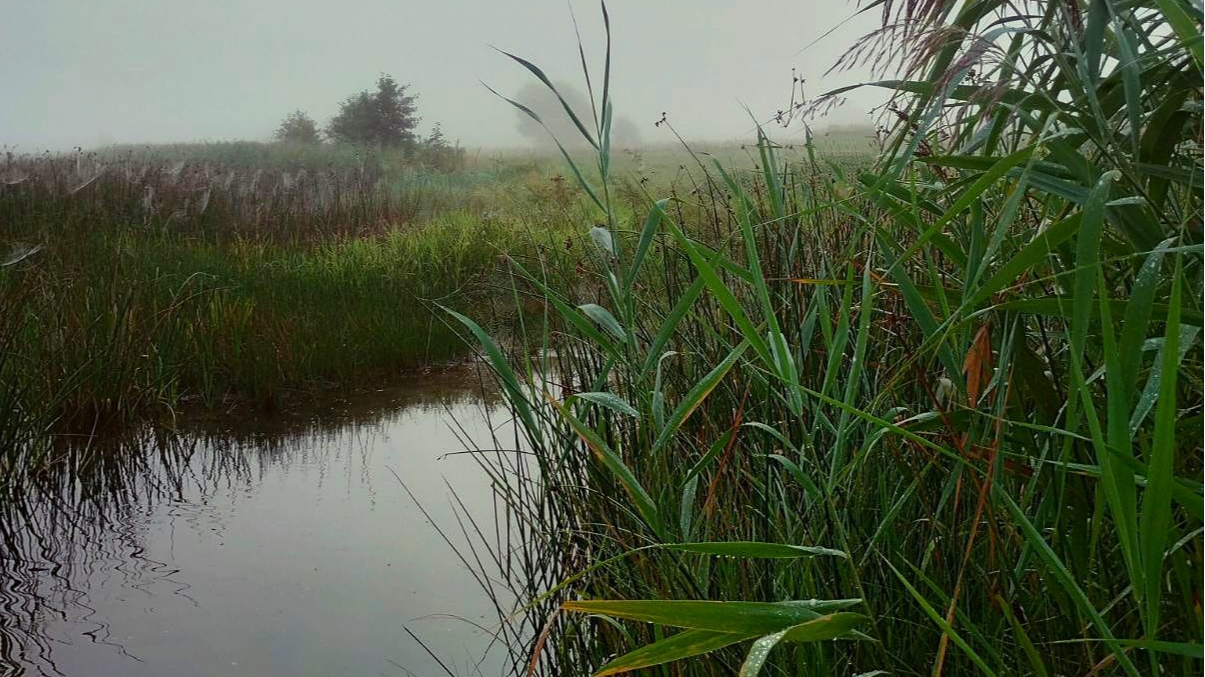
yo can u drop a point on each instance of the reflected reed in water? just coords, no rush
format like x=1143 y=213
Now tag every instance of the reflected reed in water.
x=130 y=536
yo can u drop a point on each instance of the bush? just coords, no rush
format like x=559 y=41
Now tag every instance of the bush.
x=298 y=128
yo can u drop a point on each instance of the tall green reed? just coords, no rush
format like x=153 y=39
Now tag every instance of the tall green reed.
x=971 y=371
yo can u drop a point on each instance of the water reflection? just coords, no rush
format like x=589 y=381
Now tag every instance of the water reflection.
x=267 y=545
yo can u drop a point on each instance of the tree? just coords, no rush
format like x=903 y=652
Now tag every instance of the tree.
x=386 y=117
x=435 y=152
x=298 y=128
x=544 y=103
x=624 y=134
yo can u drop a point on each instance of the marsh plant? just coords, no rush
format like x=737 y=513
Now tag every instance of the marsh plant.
x=941 y=417
x=136 y=283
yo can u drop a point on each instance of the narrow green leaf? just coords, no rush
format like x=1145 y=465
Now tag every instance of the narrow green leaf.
x=1025 y=260
x=577 y=173
x=755 y=550
x=1065 y=579
x=829 y=626
x=1031 y=652
x=682 y=645
x=652 y=224
x=1063 y=306
x=758 y=618
x=970 y=195
x=609 y=400
x=1155 y=521
x=1150 y=392
x=535 y=70
x=576 y=317
x=809 y=486
x=1188 y=30
x=759 y=652
x=644 y=504
x=654 y=353
x=940 y=621
x=724 y=296
x=695 y=396
x=516 y=394
x=713 y=452
x=690 y=489
x=605 y=319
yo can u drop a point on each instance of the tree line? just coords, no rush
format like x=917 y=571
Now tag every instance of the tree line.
x=384 y=118
x=388 y=118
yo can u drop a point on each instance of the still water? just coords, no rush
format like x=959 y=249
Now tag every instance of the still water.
x=252 y=544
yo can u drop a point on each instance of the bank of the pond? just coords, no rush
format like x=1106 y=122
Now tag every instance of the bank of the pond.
x=111 y=323
x=133 y=285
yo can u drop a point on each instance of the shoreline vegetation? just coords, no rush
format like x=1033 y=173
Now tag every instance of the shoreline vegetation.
x=938 y=415
x=138 y=280
x=917 y=400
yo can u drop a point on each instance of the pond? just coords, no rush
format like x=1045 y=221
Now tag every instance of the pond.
x=306 y=543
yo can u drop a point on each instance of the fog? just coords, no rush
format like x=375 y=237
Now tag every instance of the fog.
x=97 y=72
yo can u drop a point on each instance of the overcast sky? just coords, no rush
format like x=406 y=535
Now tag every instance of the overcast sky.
x=94 y=72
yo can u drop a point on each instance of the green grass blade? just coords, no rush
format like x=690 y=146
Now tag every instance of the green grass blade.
x=755 y=550
x=654 y=353
x=1156 y=518
x=974 y=192
x=829 y=626
x=515 y=392
x=940 y=621
x=1150 y=391
x=725 y=297
x=1031 y=652
x=695 y=396
x=759 y=652
x=608 y=400
x=652 y=224
x=643 y=502
x=536 y=71
x=577 y=173
x=1066 y=580
x=760 y=618
x=682 y=645
x=1186 y=29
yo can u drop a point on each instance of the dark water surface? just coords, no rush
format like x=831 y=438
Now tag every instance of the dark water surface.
x=263 y=545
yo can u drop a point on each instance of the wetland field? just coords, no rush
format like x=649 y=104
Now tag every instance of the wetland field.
x=916 y=398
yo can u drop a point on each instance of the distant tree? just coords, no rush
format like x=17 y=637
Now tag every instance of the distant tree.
x=436 y=141
x=536 y=96
x=386 y=117
x=298 y=128
x=436 y=153
x=624 y=133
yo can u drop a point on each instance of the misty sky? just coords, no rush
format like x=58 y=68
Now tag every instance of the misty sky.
x=95 y=72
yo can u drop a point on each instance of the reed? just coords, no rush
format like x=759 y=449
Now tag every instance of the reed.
x=135 y=284
x=955 y=396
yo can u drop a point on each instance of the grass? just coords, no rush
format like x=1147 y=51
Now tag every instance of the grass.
x=973 y=371
x=142 y=282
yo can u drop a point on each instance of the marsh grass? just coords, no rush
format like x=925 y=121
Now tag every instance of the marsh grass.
x=974 y=371
x=135 y=285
